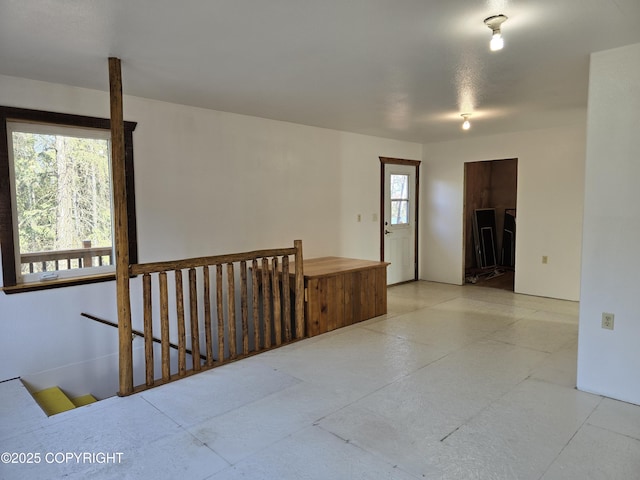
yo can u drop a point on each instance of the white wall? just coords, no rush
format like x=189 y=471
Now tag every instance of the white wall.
x=549 y=206
x=207 y=182
x=609 y=361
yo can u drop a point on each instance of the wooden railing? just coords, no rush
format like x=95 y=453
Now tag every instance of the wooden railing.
x=207 y=318
x=66 y=259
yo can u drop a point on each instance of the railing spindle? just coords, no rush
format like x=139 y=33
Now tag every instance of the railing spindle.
x=266 y=302
x=277 y=313
x=256 y=305
x=231 y=307
x=164 y=326
x=286 y=299
x=220 y=313
x=207 y=315
x=193 y=313
x=299 y=275
x=244 y=307
x=148 y=329
x=182 y=348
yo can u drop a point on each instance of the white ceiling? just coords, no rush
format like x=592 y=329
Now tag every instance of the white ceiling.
x=402 y=69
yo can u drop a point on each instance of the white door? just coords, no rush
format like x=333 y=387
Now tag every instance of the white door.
x=400 y=222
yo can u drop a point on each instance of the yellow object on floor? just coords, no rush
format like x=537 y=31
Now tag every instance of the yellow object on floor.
x=53 y=400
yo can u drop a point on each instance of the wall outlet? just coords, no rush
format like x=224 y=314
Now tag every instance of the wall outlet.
x=545 y=259
x=607 y=320
x=359 y=217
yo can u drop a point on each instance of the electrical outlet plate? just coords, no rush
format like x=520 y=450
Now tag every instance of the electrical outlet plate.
x=607 y=320
x=545 y=259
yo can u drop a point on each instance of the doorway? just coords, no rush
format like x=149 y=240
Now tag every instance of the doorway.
x=399 y=186
x=490 y=213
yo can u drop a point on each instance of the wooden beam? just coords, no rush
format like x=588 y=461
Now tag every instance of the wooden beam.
x=121 y=230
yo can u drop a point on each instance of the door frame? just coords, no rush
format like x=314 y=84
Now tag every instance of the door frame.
x=400 y=161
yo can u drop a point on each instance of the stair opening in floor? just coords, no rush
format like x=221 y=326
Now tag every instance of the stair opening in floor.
x=54 y=400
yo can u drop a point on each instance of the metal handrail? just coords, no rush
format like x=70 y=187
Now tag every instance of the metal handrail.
x=136 y=333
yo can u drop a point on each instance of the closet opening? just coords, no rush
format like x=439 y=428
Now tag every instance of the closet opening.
x=490 y=213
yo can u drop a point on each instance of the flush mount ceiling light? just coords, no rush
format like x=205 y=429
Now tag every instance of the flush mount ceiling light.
x=494 y=22
x=466 y=125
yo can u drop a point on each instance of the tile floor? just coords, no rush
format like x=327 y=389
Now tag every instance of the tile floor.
x=453 y=383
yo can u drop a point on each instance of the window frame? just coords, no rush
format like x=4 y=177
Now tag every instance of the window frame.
x=7 y=239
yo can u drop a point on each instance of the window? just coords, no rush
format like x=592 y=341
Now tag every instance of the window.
x=55 y=217
x=399 y=190
x=62 y=210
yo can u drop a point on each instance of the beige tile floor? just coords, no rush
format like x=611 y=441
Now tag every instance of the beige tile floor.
x=453 y=383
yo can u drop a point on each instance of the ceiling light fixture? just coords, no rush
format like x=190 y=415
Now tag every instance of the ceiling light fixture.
x=494 y=22
x=466 y=125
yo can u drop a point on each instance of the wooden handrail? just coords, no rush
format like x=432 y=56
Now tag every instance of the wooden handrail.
x=135 y=332
x=46 y=256
x=142 y=268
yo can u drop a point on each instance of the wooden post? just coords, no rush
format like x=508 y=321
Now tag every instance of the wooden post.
x=87 y=260
x=120 y=229
x=299 y=286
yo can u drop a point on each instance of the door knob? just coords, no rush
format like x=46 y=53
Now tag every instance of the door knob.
x=387 y=232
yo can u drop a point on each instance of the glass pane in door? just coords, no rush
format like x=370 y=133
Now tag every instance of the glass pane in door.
x=399 y=190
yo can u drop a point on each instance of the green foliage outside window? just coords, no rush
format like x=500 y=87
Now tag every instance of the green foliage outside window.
x=62 y=191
